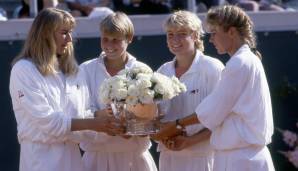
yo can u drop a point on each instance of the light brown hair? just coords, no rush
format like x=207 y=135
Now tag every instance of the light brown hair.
x=40 y=46
x=117 y=23
x=232 y=16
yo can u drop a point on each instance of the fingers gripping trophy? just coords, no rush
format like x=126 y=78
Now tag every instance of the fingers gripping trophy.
x=134 y=94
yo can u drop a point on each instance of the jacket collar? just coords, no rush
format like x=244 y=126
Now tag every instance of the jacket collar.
x=194 y=65
x=129 y=63
x=243 y=48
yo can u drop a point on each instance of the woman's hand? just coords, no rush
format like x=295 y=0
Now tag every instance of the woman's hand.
x=181 y=142
x=110 y=125
x=167 y=129
x=178 y=143
x=102 y=123
x=104 y=112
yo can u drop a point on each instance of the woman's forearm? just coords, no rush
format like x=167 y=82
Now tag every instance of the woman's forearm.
x=201 y=136
x=105 y=124
x=189 y=120
x=81 y=124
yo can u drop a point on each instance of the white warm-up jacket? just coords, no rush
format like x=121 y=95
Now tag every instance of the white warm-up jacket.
x=43 y=107
x=239 y=114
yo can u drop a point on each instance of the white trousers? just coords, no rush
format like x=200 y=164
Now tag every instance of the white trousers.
x=119 y=161
x=175 y=161
x=50 y=157
x=244 y=159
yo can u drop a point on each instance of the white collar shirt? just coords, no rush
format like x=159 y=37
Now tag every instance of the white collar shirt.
x=239 y=111
x=95 y=72
x=200 y=79
x=44 y=105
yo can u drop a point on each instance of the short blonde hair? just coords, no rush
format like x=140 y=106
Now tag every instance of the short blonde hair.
x=117 y=23
x=40 y=46
x=188 y=20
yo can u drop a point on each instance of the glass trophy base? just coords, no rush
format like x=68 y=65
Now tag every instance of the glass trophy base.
x=137 y=127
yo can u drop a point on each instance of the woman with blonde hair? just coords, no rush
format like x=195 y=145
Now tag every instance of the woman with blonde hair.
x=50 y=98
x=238 y=111
x=200 y=73
x=108 y=152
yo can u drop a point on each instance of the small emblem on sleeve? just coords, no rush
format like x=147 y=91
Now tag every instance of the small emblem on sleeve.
x=20 y=94
x=194 y=91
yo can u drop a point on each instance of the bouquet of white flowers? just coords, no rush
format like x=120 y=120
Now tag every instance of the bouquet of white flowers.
x=139 y=85
x=135 y=92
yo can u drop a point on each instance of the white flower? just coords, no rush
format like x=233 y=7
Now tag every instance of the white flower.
x=105 y=96
x=139 y=85
x=143 y=81
x=146 y=76
x=179 y=87
x=104 y=91
x=119 y=94
x=141 y=69
x=157 y=77
x=132 y=90
x=164 y=86
x=118 y=82
x=159 y=89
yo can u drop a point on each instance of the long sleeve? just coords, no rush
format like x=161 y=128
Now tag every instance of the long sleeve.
x=200 y=80
x=210 y=69
x=239 y=111
x=37 y=117
x=87 y=72
x=215 y=107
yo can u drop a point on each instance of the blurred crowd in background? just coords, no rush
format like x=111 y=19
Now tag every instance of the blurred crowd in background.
x=92 y=8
